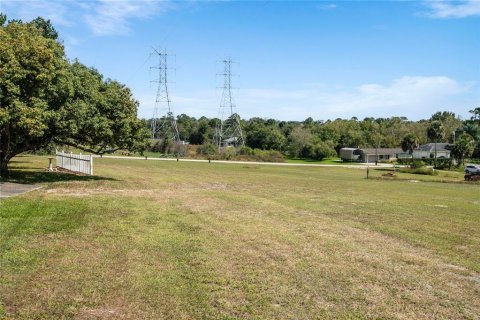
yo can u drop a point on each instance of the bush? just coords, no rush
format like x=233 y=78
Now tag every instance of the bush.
x=180 y=150
x=208 y=150
x=162 y=146
x=268 y=155
x=422 y=170
x=417 y=164
x=246 y=151
x=317 y=151
x=228 y=153
x=442 y=163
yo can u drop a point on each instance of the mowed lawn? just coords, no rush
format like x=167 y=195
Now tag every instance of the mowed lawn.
x=168 y=240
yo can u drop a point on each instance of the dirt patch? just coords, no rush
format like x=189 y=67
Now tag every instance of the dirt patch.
x=214 y=186
x=389 y=174
x=101 y=313
x=96 y=191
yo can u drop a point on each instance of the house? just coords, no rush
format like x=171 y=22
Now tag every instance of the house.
x=230 y=142
x=371 y=155
x=427 y=151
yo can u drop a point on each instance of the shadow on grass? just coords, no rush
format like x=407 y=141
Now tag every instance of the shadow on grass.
x=33 y=176
x=307 y=160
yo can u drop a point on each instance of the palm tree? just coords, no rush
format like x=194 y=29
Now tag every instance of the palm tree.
x=435 y=133
x=409 y=143
x=463 y=148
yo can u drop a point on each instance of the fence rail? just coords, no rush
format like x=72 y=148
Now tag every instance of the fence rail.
x=75 y=162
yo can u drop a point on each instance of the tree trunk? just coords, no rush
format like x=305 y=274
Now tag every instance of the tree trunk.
x=4 y=167
x=435 y=160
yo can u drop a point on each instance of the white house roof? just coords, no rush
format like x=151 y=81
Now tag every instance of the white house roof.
x=430 y=147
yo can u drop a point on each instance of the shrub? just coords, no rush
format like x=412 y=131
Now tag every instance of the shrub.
x=442 y=163
x=417 y=164
x=268 y=155
x=228 y=153
x=208 y=150
x=163 y=146
x=179 y=150
x=422 y=170
x=246 y=151
x=317 y=151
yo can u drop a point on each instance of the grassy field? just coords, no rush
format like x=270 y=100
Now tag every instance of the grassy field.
x=324 y=161
x=168 y=240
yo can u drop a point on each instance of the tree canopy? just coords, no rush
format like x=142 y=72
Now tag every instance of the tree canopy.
x=44 y=98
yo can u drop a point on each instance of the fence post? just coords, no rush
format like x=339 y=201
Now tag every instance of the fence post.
x=91 y=165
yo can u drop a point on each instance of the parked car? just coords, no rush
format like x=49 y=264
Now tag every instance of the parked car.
x=472 y=169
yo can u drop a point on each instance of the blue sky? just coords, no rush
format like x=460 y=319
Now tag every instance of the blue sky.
x=323 y=59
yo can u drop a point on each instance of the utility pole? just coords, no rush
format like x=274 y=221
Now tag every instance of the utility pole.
x=229 y=130
x=164 y=124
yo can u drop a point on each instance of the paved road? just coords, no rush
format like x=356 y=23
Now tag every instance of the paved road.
x=8 y=189
x=357 y=166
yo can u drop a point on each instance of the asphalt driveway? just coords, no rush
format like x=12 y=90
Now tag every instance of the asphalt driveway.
x=8 y=189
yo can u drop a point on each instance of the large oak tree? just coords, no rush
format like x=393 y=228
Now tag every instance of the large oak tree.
x=46 y=99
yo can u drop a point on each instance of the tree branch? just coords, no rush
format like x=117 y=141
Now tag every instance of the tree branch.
x=83 y=148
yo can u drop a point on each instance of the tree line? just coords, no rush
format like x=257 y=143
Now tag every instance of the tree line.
x=317 y=139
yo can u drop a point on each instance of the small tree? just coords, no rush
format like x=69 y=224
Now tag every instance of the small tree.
x=3 y=19
x=435 y=133
x=463 y=148
x=299 y=138
x=409 y=143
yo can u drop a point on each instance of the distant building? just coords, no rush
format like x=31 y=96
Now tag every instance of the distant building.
x=427 y=151
x=230 y=142
x=371 y=155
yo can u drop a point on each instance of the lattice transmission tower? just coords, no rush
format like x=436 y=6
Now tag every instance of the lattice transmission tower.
x=229 y=130
x=164 y=124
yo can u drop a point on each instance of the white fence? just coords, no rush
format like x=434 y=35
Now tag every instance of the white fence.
x=75 y=162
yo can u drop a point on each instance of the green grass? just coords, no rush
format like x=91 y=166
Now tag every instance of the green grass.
x=168 y=240
x=324 y=161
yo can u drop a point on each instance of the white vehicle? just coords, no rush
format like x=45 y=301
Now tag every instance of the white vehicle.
x=472 y=169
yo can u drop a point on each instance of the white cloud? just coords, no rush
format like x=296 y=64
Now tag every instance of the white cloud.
x=327 y=6
x=414 y=97
x=109 y=17
x=410 y=96
x=55 y=10
x=449 y=9
x=103 y=17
